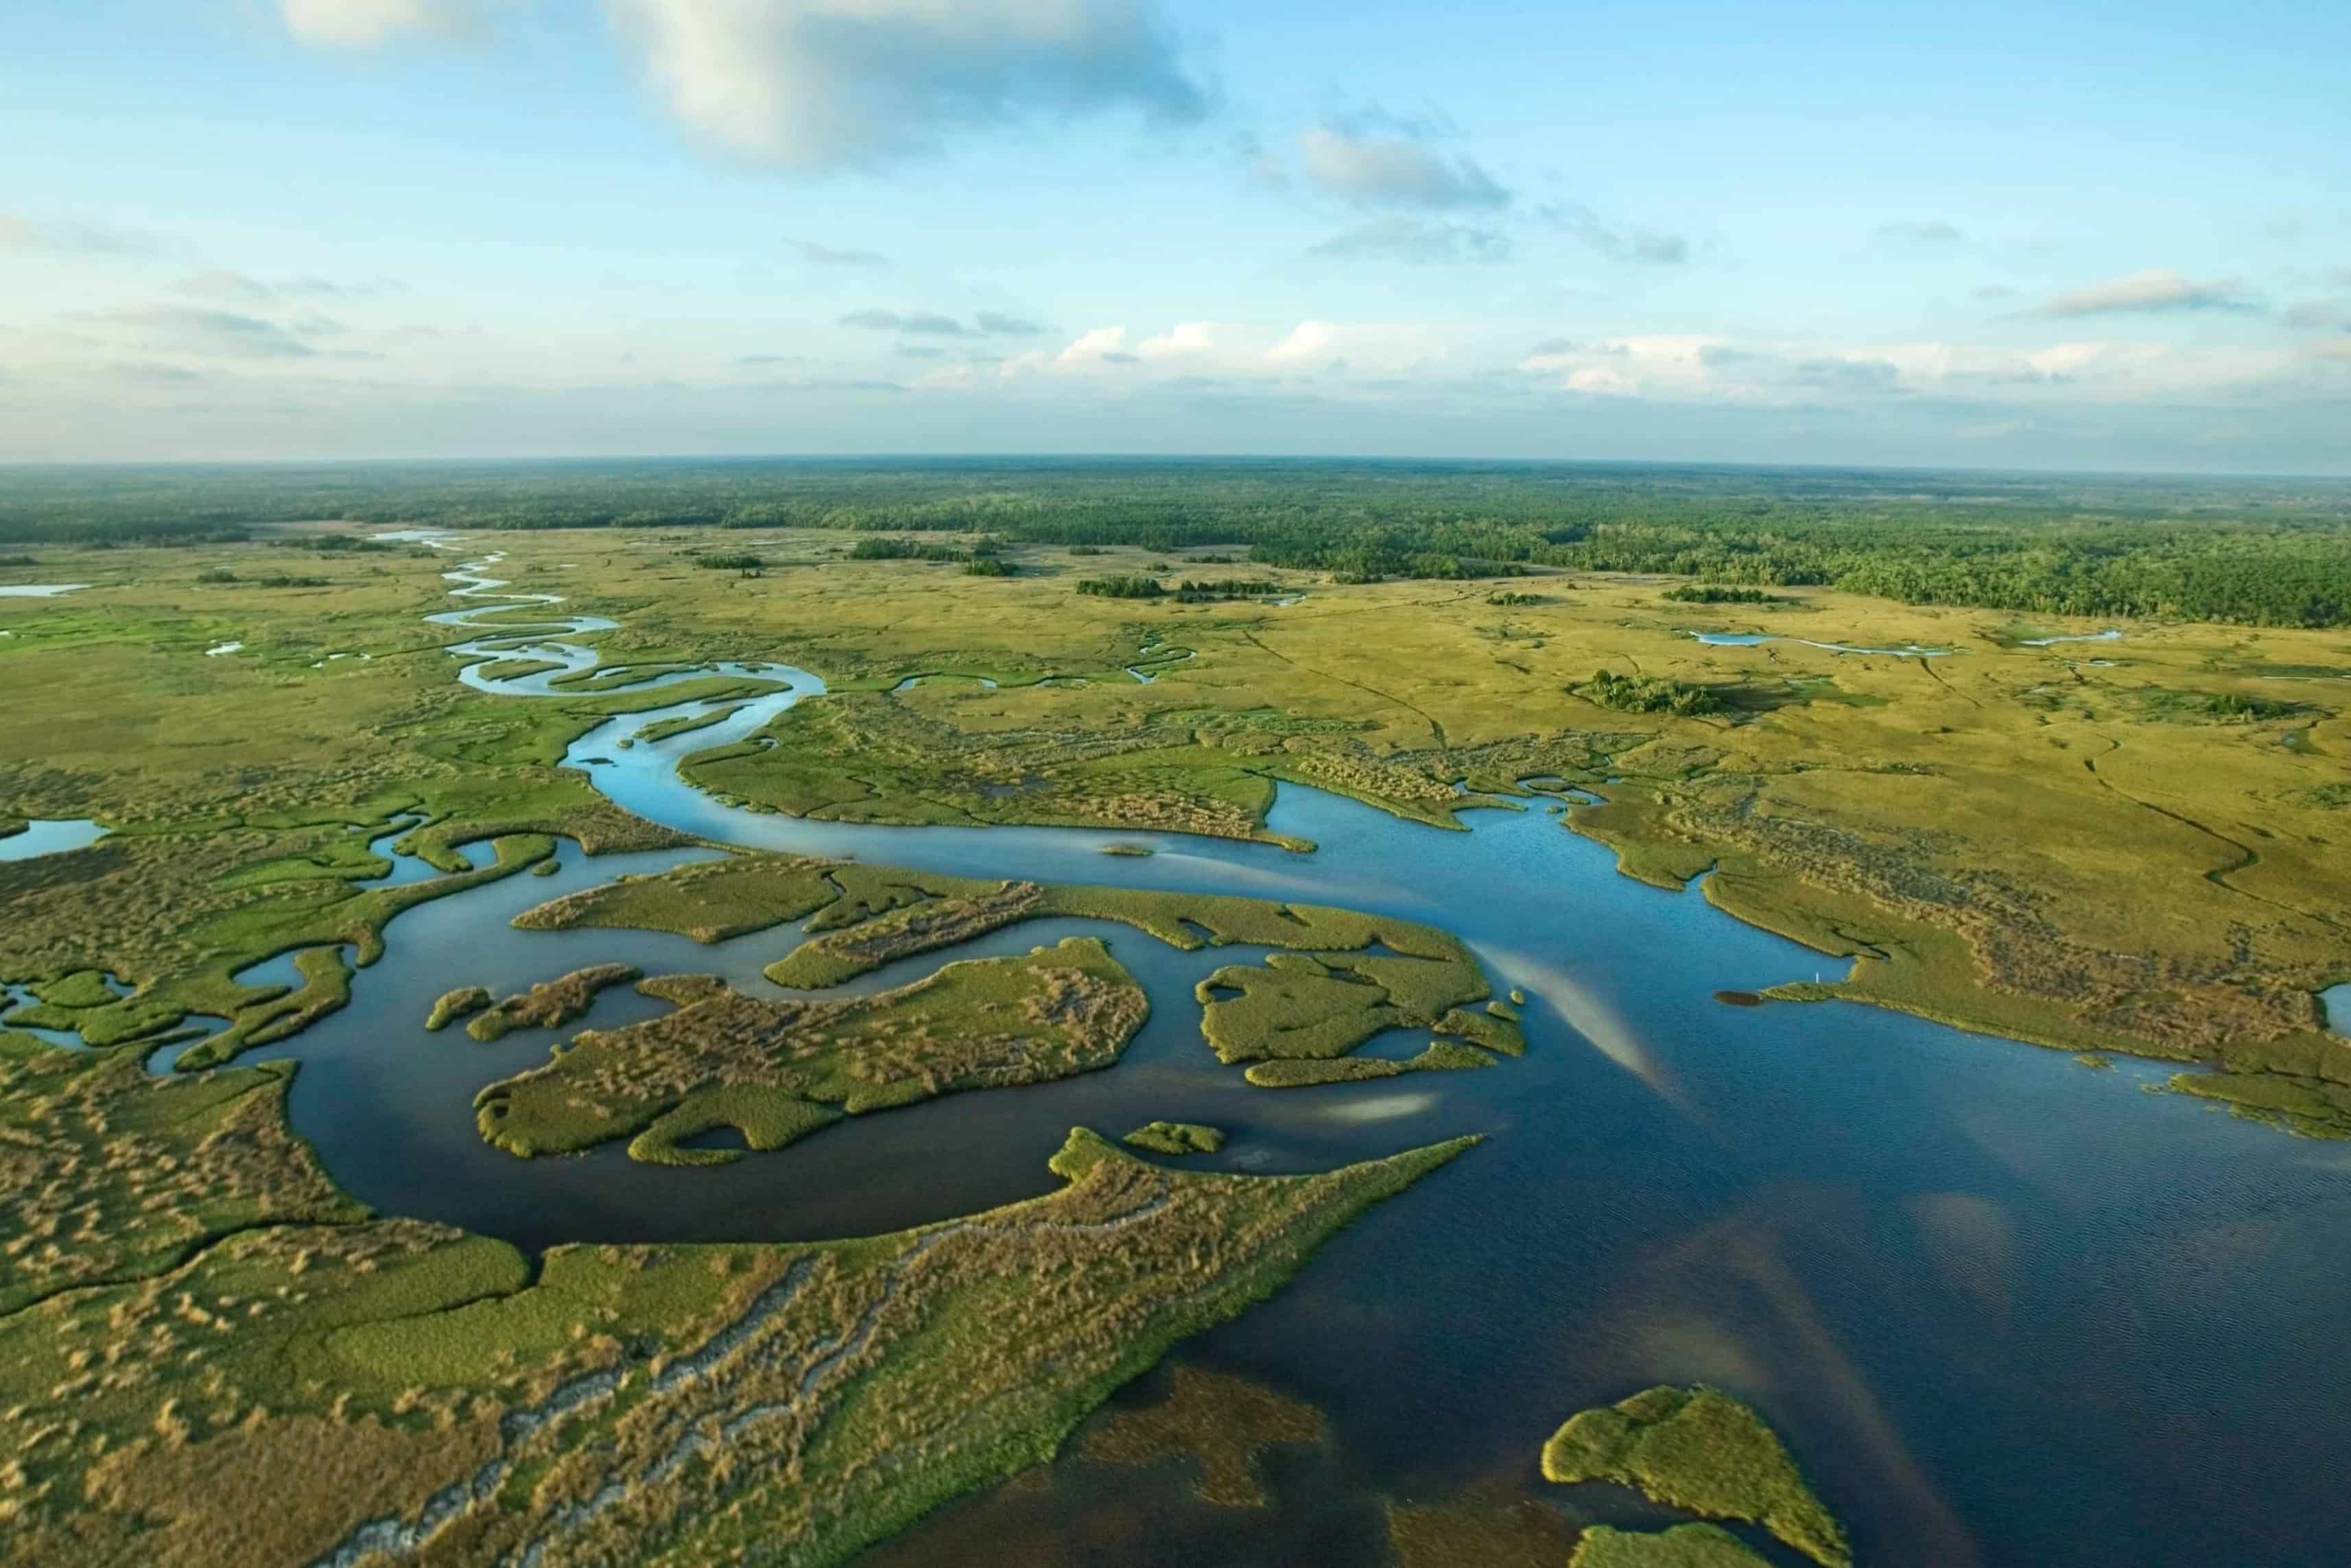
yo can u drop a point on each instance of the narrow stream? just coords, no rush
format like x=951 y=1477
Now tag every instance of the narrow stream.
x=2009 y=1309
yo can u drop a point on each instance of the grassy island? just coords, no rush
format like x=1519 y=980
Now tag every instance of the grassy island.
x=1364 y=973
x=546 y=1005
x=1700 y=1449
x=776 y=1071
x=1175 y=1138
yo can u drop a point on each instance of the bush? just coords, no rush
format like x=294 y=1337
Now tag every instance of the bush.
x=1649 y=693
x=1122 y=587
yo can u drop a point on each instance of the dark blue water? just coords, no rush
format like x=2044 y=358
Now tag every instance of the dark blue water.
x=2008 y=1310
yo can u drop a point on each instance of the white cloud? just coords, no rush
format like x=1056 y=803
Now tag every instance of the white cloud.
x=2152 y=291
x=1184 y=339
x=1101 y=343
x=815 y=84
x=365 y=23
x=1395 y=170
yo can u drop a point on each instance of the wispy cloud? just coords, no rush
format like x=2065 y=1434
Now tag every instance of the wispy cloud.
x=817 y=254
x=821 y=85
x=224 y=333
x=995 y=323
x=931 y=323
x=239 y=287
x=1925 y=232
x=2152 y=291
x=1421 y=241
x=1395 y=170
x=1618 y=242
x=79 y=236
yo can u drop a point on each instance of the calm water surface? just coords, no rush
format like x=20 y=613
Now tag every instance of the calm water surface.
x=2008 y=1310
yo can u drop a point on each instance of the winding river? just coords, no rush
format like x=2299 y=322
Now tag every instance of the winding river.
x=2007 y=1309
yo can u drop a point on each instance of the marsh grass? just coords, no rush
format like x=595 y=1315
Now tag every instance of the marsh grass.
x=1682 y=1546
x=1699 y=1449
x=1175 y=1139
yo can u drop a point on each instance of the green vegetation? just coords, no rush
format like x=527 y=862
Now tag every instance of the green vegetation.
x=775 y=1070
x=1175 y=1138
x=1300 y=1006
x=1699 y=1450
x=1305 y=1072
x=1220 y=1421
x=191 y=1306
x=2222 y=707
x=1121 y=587
x=1683 y=1546
x=1359 y=975
x=1715 y=593
x=2306 y=1106
x=451 y=1006
x=2261 y=552
x=549 y=1003
x=1649 y=693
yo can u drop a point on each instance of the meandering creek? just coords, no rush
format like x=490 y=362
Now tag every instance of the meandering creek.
x=2008 y=1310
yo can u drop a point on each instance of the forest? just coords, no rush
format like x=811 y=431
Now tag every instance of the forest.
x=2273 y=552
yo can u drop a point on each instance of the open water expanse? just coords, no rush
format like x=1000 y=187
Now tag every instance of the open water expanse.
x=2006 y=1309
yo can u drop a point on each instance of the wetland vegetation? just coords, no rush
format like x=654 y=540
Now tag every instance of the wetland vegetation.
x=1699 y=1450
x=2136 y=854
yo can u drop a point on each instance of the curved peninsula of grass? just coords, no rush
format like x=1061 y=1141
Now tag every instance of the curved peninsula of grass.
x=1699 y=1449
x=451 y=1006
x=775 y=1070
x=548 y=1004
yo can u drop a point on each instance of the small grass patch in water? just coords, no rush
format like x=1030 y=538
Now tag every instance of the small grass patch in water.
x=1176 y=1139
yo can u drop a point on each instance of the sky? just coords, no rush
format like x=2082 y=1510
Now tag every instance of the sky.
x=2044 y=235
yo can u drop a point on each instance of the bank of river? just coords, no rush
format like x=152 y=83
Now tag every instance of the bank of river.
x=2008 y=1311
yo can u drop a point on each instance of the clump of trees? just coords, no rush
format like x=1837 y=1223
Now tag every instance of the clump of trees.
x=746 y=563
x=2268 y=552
x=1229 y=588
x=986 y=566
x=1122 y=587
x=1514 y=599
x=1649 y=693
x=1715 y=593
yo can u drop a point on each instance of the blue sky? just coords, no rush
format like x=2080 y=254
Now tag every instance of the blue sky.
x=2039 y=235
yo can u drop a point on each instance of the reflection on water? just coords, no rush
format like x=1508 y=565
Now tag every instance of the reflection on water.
x=2008 y=1311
